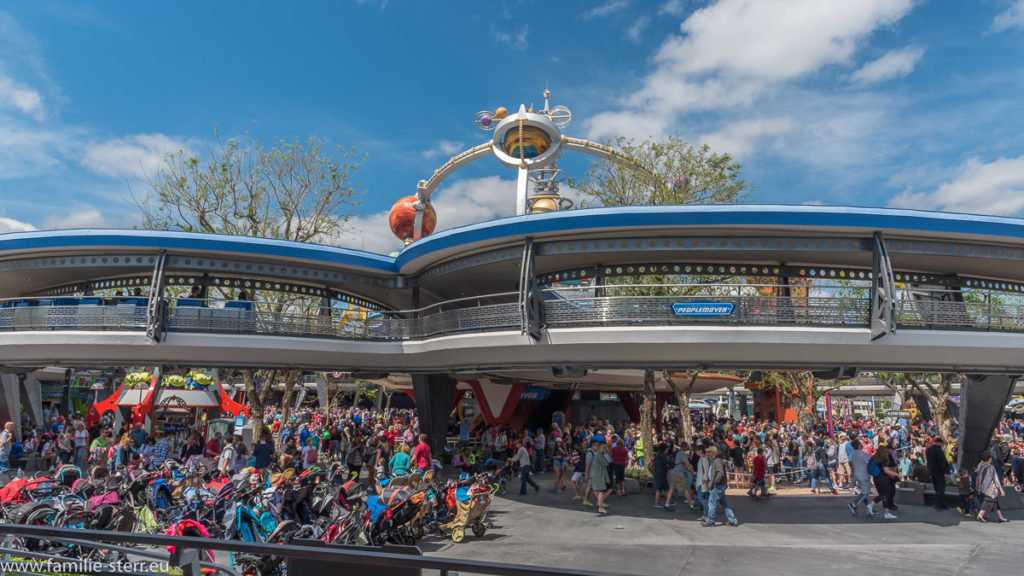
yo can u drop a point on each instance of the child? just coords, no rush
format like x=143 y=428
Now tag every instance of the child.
x=963 y=485
x=906 y=466
x=760 y=466
x=578 y=468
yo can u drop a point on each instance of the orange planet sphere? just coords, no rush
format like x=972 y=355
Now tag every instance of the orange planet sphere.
x=500 y=113
x=402 y=218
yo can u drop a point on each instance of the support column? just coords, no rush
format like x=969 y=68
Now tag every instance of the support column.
x=434 y=394
x=156 y=310
x=883 y=290
x=10 y=401
x=982 y=400
x=32 y=398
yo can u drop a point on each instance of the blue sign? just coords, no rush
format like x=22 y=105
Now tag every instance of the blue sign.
x=702 y=308
x=239 y=421
x=535 y=394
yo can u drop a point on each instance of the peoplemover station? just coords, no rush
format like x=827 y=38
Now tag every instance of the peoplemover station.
x=552 y=297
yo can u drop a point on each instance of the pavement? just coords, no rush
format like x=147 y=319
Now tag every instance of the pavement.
x=795 y=532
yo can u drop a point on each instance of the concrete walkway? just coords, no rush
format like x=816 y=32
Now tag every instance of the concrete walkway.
x=795 y=532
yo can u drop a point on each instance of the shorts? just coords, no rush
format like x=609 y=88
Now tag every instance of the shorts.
x=618 y=473
x=577 y=476
x=844 y=469
x=558 y=463
x=679 y=482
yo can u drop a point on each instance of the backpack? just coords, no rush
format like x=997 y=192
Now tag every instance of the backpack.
x=873 y=468
x=312 y=456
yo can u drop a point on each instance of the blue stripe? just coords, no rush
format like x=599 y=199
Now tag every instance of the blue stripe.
x=810 y=218
x=240 y=245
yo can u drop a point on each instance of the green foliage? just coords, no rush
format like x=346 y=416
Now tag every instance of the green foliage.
x=665 y=172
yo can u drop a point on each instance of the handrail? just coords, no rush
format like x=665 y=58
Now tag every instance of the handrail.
x=325 y=554
x=563 y=306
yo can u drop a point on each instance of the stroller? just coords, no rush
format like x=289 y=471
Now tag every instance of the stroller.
x=391 y=515
x=68 y=474
x=471 y=504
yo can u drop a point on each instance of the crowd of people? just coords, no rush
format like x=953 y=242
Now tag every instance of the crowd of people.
x=758 y=457
x=592 y=458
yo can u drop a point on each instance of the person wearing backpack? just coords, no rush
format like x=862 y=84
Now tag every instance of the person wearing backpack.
x=883 y=472
x=819 y=469
x=310 y=456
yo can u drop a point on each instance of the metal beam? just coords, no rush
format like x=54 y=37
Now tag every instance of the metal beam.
x=530 y=302
x=883 y=290
x=156 y=311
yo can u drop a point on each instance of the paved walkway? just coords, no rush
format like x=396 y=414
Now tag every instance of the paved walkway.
x=796 y=532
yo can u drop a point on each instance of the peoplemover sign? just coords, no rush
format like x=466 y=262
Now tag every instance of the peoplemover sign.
x=702 y=308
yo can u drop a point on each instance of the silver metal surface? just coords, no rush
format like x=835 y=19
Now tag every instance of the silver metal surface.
x=832 y=306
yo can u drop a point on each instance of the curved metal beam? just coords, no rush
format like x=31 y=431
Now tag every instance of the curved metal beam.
x=426 y=187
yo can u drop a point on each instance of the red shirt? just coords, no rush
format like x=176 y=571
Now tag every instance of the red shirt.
x=760 y=467
x=421 y=456
x=212 y=448
x=620 y=456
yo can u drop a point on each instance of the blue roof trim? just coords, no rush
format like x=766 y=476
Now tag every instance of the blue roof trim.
x=717 y=215
x=241 y=245
x=822 y=217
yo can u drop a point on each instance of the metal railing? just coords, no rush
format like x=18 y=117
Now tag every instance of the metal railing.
x=327 y=557
x=563 y=307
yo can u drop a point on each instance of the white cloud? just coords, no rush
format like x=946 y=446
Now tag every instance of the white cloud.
x=12 y=225
x=84 y=217
x=444 y=148
x=22 y=97
x=635 y=32
x=672 y=8
x=1012 y=17
x=739 y=138
x=28 y=150
x=812 y=203
x=977 y=187
x=607 y=9
x=895 y=64
x=457 y=203
x=518 y=40
x=134 y=155
x=734 y=52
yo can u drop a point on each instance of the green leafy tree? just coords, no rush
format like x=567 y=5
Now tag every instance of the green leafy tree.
x=661 y=172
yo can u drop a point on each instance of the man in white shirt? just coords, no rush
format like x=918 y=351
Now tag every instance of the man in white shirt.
x=843 y=470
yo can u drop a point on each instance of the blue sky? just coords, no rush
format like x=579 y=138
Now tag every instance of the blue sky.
x=904 y=103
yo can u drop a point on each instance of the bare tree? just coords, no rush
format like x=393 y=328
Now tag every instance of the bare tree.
x=683 y=398
x=293 y=190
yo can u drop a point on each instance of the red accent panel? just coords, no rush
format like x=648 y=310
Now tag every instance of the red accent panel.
x=229 y=405
x=458 y=396
x=511 y=401
x=632 y=410
x=108 y=404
